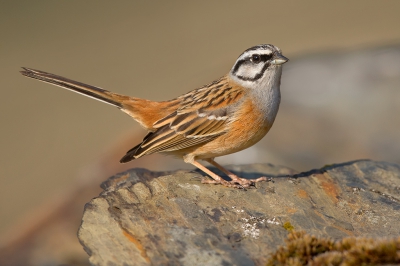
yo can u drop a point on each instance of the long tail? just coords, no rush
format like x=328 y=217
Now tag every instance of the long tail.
x=78 y=87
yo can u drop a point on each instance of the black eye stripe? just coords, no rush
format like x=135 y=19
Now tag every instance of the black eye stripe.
x=262 y=57
x=265 y=57
x=259 y=57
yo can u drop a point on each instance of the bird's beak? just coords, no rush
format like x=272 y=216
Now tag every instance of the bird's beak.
x=279 y=59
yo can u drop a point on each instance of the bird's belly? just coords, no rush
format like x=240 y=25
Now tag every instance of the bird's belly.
x=232 y=142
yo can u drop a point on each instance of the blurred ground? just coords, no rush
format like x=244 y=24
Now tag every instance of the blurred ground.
x=51 y=138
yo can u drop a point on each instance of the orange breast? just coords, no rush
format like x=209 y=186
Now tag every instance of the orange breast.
x=248 y=127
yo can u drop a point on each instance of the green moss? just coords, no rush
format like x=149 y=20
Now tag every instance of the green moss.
x=288 y=226
x=303 y=249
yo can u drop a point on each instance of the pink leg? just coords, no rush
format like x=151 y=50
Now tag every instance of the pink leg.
x=236 y=182
x=217 y=178
x=235 y=179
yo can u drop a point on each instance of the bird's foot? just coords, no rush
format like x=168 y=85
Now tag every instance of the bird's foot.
x=236 y=182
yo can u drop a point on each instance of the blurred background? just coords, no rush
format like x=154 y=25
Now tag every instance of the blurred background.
x=340 y=96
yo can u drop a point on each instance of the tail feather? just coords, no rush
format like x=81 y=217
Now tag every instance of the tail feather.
x=78 y=87
x=145 y=112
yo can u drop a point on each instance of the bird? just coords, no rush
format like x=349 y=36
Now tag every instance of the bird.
x=228 y=115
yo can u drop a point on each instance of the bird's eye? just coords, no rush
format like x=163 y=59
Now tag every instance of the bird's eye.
x=255 y=58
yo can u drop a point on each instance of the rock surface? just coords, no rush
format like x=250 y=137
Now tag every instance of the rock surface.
x=147 y=218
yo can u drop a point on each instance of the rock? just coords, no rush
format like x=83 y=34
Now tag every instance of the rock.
x=149 y=218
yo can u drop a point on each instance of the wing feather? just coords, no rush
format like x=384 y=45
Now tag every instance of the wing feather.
x=203 y=115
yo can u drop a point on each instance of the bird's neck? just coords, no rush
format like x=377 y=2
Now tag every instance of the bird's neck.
x=266 y=94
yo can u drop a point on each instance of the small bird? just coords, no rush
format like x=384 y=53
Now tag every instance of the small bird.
x=226 y=116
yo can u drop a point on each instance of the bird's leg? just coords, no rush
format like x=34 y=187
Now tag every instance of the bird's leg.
x=236 y=182
x=216 y=178
x=235 y=179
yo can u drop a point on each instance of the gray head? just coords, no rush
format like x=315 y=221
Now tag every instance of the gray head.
x=252 y=65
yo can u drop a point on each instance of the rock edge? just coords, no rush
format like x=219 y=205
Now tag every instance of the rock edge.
x=158 y=218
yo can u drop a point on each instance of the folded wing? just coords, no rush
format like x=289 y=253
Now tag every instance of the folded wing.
x=203 y=116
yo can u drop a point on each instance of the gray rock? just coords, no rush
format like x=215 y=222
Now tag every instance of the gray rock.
x=148 y=218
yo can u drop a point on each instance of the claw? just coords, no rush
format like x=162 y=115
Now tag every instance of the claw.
x=236 y=182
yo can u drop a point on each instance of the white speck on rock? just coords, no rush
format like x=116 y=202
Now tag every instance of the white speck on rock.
x=190 y=186
x=251 y=230
x=273 y=221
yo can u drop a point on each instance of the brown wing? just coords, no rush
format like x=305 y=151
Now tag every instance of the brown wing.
x=184 y=130
x=203 y=116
